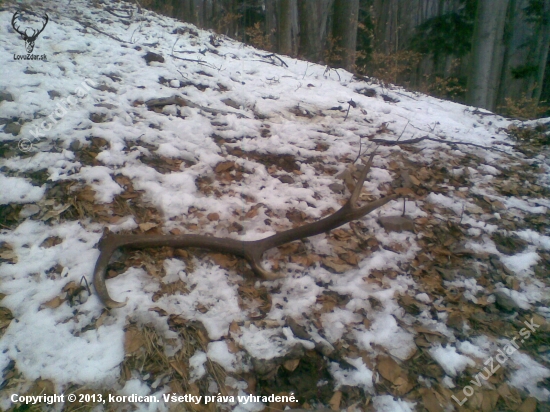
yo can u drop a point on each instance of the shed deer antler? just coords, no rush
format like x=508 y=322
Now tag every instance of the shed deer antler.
x=252 y=251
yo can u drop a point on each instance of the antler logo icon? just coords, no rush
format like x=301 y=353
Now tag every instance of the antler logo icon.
x=29 y=40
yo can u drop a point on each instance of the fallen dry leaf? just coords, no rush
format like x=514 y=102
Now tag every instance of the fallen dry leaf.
x=334 y=402
x=389 y=369
x=528 y=405
x=53 y=303
x=147 y=226
x=429 y=400
x=224 y=166
x=336 y=264
x=133 y=340
x=291 y=365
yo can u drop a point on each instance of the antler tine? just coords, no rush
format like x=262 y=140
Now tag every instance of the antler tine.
x=258 y=269
x=359 y=185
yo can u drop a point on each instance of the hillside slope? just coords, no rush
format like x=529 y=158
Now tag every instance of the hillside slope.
x=246 y=144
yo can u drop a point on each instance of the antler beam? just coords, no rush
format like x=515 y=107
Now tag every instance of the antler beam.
x=252 y=251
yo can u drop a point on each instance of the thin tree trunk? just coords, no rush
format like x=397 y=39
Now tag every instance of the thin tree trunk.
x=541 y=52
x=487 y=53
x=344 y=32
x=271 y=22
x=284 y=26
x=310 y=39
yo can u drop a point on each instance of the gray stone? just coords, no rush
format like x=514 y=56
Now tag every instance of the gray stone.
x=337 y=187
x=505 y=302
x=75 y=145
x=13 y=128
x=6 y=97
x=53 y=94
x=153 y=57
x=231 y=103
x=28 y=211
x=286 y=179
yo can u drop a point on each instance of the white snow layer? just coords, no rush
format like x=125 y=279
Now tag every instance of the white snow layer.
x=95 y=76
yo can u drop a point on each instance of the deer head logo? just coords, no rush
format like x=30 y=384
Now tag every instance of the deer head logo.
x=29 y=40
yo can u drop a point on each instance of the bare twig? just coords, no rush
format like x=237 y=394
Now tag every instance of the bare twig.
x=252 y=251
x=307 y=67
x=100 y=31
x=87 y=285
x=419 y=139
x=180 y=101
x=194 y=61
x=129 y=14
x=351 y=104
x=328 y=69
x=403 y=131
x=272 y=56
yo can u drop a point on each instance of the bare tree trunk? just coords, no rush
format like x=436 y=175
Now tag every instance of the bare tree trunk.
x=487 y=53
x=541 y=51
x=325 y=7
x=284 y=26
x=310 y=40
x=344 y=32
x=177 y=9
x=271 y=22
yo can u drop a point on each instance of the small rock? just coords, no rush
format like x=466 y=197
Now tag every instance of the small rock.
x=53 y=94
x=105 y=88
x=6 y=97
x=337 y=187
x=286 y=179
x=106 y=105
x=367 y=92
x=98 y=117
x=28 y=211
x=505 y=302
x=75 y=145
x=153 y=57
x=231 y=103
x=396 y=223
x=13 y=128
x=8 y=153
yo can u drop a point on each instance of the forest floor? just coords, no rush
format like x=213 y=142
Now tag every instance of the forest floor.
x=446 y=309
